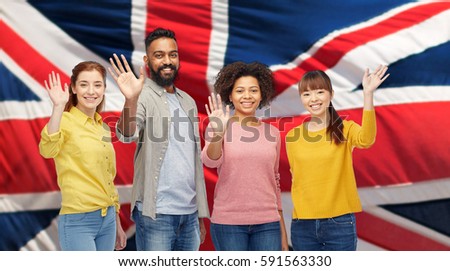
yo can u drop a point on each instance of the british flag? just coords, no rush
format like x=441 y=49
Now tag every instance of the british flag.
x=403 y=180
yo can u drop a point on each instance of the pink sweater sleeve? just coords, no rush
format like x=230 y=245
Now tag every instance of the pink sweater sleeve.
x=277 y=174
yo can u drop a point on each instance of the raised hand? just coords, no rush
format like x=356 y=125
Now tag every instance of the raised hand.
x=371 y=81
x=218 y=119
x=58 y=96
x=128 y=83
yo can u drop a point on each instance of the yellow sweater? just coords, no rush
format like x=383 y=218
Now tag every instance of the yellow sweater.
x=323 y=180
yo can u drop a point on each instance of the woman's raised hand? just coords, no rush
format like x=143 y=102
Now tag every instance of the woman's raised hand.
x=218 y=118
x=371 y=81
x=58 y=96
x=130 y=85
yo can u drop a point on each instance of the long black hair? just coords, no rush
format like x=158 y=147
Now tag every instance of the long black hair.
x=320 y=80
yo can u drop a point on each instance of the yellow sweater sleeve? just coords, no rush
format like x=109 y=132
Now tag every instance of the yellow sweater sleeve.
x=363 y=136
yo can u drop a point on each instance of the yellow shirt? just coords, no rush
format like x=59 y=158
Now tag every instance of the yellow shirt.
x=323 y=180
x=85 y=162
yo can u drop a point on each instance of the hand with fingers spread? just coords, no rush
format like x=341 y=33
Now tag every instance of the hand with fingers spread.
x=371 y=81
x=218 y=119
x=58 y=96
x=128 y=83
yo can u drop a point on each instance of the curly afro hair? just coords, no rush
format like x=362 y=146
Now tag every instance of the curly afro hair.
x=228 y=75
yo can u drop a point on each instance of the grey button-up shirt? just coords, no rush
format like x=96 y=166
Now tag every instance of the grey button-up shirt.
x=152 y=139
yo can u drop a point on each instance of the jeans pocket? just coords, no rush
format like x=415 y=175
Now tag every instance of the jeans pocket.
x=347 y=219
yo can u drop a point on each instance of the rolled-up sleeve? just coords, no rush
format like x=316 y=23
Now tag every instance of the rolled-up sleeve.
x=50 y=144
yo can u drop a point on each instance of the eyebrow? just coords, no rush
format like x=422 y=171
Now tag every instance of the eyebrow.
x=253 y=86
x=86 y=81
x=161 y=51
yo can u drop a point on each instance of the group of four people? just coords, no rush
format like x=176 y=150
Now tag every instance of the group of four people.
x=169 y=200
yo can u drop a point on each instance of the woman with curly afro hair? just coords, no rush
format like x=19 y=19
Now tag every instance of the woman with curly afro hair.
x=247 y=213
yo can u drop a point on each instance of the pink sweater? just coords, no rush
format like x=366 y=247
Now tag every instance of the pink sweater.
x=248 y=190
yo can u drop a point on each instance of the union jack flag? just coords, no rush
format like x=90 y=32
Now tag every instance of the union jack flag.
x=403 y=180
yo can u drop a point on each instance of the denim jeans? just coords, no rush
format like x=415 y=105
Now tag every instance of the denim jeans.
x=87 y=231
x=336 y=233
x=260 y=237
x=167 y=232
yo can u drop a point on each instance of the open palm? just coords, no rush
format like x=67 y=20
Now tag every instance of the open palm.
x=218 y=119
x=58 y=96
x=128 y=83
x=371 y=81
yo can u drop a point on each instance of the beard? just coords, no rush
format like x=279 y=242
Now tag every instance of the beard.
x=164 y=81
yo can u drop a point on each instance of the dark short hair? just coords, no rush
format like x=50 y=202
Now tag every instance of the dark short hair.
x=159 y=33
x=228 y=75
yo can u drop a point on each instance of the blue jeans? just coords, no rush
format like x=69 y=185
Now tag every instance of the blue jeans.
x=336 y=233
x=260 y=237
x=87 y=231
x=167 y=232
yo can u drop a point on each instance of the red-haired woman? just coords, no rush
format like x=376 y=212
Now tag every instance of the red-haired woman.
x=80 y=144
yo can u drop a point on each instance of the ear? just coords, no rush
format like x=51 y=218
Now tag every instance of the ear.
x=145 y=58
x=73 y=89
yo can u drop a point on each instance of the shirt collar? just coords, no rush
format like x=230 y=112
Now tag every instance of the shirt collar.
x=159 y=90
x=83 y=118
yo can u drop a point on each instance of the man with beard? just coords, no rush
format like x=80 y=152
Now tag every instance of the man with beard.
x=168 y=200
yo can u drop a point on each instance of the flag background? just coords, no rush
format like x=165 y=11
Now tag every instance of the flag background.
x=403 y=180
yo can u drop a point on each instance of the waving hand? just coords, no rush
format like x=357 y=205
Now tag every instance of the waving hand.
x=218 y=119
x=371 y=81
x=58 y=96
x=128 y=83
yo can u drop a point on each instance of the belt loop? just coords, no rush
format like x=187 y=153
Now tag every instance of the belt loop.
x=104 y=211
